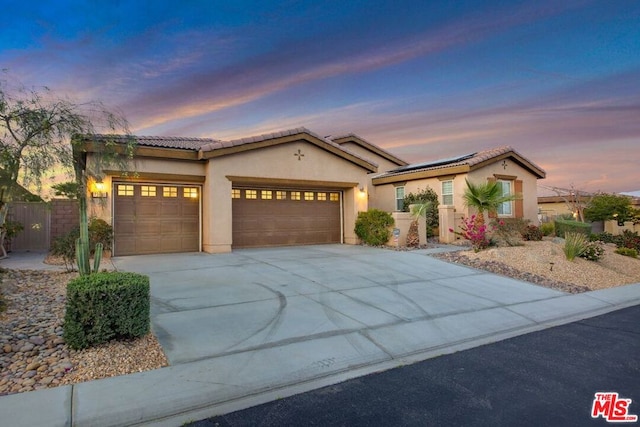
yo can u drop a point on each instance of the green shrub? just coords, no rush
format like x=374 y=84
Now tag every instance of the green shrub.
x=65 y=245
x=532 y=233
x=574 y=245
x=593 y=251
x=628 y=239
x=105 y=306
x=373 y=225
x=563 y=226
x=602 y=237
x=431 y=214
x=547 y=229
x=100 y=232
x=627 y=252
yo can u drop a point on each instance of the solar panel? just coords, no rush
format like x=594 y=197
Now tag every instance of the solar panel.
x=440 y=162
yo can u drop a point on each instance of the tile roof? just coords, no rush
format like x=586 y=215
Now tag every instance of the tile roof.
x=181 y=143
x=353 y=138
x=217 y=145
x=468 y=160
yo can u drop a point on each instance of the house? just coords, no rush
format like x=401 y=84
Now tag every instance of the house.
x=286 y=188
x=447 y=177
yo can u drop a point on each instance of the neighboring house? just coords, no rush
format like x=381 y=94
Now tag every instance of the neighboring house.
x=287 y=188
x=555 y=201
x=515 y=173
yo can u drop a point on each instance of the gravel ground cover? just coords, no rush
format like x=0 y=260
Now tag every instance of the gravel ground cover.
x=33 y=354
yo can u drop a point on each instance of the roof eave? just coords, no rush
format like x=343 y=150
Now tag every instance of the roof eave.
x=370 y=147
x=271 y=142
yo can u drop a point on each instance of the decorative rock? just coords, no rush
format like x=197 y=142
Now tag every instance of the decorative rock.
x=7 y=348
x=36 y=340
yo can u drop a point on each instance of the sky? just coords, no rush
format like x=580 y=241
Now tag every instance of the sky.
x=559 y=81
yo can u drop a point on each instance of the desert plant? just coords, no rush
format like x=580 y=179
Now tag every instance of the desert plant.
x=547 y=229
x=602 y=237
x=475 y=232
x=417 y=211
x=100 y=236
x=532 y=233
x=627 y=252
x=593 y=251
x=373 y=225
x=574 y=245
x=628 y=239
x=508 y=231
x=428 y=195
x=483 y=197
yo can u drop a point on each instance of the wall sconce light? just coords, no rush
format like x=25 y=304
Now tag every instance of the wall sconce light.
x=99 y=191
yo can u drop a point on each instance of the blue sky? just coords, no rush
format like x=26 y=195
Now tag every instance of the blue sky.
x=557 y=80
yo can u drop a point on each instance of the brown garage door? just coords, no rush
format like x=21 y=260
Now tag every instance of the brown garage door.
x=279 y=217
x=154 y=218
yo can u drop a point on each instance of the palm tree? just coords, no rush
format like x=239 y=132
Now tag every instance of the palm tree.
x=485 y=197
x=417 y=210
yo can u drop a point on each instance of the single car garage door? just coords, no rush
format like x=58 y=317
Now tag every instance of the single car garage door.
x=278 y=217
x=155 y=218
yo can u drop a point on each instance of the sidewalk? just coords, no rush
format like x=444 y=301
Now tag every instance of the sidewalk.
x=234 y=380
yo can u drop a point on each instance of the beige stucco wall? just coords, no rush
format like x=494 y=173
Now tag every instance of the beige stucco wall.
x=383 y=163
x=277 y=162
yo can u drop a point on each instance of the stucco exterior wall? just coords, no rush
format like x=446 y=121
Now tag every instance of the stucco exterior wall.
x=384 y=195
x=278 y=162
x=383 y=163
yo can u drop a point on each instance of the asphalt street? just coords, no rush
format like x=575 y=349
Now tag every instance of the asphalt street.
x=545 y=378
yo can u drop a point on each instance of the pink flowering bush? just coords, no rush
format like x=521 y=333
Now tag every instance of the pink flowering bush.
x=476 y=233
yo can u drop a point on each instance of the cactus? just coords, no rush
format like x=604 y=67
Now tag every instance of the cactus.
x=82 y=257
x=97 y=257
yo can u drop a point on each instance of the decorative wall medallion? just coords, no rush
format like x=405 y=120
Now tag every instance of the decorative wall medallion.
x=299 y=155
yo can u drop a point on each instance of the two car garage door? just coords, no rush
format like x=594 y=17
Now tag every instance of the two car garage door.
x=165 y=218
x=278 y=217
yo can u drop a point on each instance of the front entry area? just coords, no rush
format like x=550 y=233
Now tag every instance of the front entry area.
x=155 y=218
x=280 y=217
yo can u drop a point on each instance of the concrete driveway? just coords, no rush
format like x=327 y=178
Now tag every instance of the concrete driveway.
x=359 y=302
x=253 y=326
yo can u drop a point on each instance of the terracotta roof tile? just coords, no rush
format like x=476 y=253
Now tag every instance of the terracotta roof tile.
x=181 y=143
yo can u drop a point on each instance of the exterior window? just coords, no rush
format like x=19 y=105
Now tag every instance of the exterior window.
x=148 y=191
x=266 y=194
x=250 y=194
x=191 y=193
x=169 y=191
x=308 y=195
x=295 y=195
x=399 y=198
x=125 y=190
x=505 y=208
x=281 y=195
x=447 y=192
x=334 y=197
x=322 y=196
x=235 y=193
